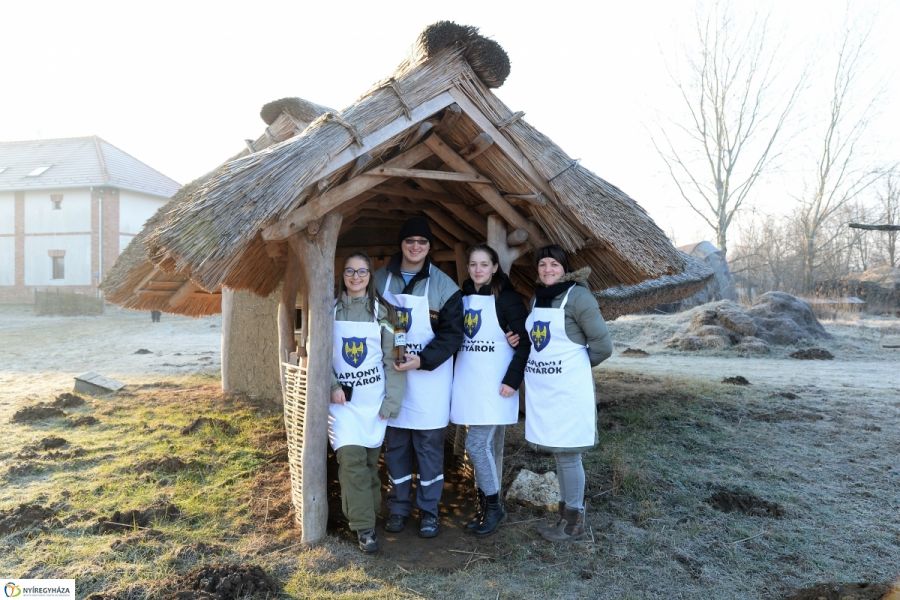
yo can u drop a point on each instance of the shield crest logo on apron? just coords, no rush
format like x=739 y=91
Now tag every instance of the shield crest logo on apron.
x=354 y=350
x=540 y=335
x=404 y=317
x=471 y=322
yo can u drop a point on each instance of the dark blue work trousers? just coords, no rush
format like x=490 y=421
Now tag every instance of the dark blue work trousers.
x=419 y=450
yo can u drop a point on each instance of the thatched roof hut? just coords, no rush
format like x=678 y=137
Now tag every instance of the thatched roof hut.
x=371 y=162
x=430 y=140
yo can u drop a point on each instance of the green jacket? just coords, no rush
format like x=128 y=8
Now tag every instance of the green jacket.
x=355 y=309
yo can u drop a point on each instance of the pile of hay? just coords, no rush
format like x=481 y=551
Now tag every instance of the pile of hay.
x=776 y=318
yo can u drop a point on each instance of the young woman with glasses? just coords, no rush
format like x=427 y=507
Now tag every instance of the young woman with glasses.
x=366 y=391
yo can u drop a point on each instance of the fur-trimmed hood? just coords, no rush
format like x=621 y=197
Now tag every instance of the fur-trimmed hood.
x=579 y=276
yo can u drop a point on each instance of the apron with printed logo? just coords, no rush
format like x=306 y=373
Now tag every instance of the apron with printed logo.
x=481 y=364
x=560 y=407
x=357 y=360
x=426 y=404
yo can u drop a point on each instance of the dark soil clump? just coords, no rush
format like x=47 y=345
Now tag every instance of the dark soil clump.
x=84 y=421
x=38 y=412
x=745 y=502
x=842 y=591
x=788 y=395
x=225 y=582
x=67 y=400
x=199 y=422
x=24 y=516
x=48 y=443
x=812 y=354
x=168 y=464
x=736 y=380
x=635 y=352
x=142 y=351
x=129 y=519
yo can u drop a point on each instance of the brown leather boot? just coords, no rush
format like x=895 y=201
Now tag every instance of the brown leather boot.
x=570 y=528
x=551 y=527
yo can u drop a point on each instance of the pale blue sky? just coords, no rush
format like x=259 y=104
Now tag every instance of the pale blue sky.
x=179 y=84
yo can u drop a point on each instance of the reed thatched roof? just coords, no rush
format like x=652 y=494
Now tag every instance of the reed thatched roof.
x=432 y=139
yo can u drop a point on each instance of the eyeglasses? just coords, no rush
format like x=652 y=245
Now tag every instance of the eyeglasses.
x=416 y=242
x=363 y=272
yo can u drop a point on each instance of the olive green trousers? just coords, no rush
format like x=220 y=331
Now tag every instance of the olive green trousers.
x=360 y=485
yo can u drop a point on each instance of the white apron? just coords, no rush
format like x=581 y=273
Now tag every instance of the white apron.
x=481 y=363
x=357 y=361
x=426 y=404
x=560 y=409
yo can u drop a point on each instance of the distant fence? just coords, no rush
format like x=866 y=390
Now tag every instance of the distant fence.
x=59 y=302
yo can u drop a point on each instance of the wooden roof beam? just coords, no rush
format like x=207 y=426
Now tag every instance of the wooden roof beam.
x=183 y=293
x=460 y=210
x=449 y=119
x=318 y=207
x=445 y=221
x=486 y=191
x=403 y=190
x=477 y=146
x=535 y=199
x=503 y=143
x=428 y=174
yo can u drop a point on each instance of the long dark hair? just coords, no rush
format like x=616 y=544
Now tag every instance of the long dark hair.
x=372 y=294
x=556 y=253
x=497 y=279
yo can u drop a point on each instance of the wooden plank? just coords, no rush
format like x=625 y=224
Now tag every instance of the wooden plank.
x=460 y=210
x=449 y=119
x=486 y=191
x=361 y=163
x=428 y=174
x=149 y=276
x=503 y=143
x=316 y=208
x=462 y=270
x=536 y=199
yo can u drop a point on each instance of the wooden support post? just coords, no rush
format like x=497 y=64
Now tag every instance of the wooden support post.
x=478 y=145
x=289 y=285
x=462 y=271
x=497 y=239
x=316 y=254
x=517 y=237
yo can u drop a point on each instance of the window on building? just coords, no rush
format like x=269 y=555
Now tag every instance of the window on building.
x=56 y=199
x=57 y=264
x=38 y=171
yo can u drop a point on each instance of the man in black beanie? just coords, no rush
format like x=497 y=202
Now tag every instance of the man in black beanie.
x=429 y=307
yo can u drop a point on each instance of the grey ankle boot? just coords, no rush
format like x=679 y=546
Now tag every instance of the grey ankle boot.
x=570 y=528
x=559 y=517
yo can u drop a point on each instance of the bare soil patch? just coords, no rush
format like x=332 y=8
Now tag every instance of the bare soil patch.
x=727 y=500
x=132 y=519
x=37 y=412
x=225 y=582
x=842 y=591
x=201 y=422
x=736 y=380
x=812 y=354
x=68 y=400
x=25 y=517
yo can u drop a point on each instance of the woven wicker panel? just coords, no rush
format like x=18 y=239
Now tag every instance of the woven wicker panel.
x=294 y=422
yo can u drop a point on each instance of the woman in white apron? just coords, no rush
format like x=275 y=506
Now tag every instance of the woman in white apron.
x=366 y=391
x=486 y=376
x=568 y=337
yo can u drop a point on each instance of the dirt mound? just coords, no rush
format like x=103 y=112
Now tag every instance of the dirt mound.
x=225 y=582
x=736 y=380
x=812 y=354
x=167 y=464
x=841 y=591
x=23 y=517
x=48 y=443
x=635 y=352
x=736 y=500
x=142 y=351
x=37 y=412
x=85 y=421
x=67 y=400
x=775 y=318
x=129 y=519
x=201 y=422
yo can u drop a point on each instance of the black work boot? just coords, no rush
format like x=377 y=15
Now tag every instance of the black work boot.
x=479 y=510
x=493 y=514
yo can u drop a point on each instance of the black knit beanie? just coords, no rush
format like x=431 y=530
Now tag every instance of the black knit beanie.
x=416 y=226
x=556 y=253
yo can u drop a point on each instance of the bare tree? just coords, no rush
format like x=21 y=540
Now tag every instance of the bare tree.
x=838 y=177
x=889 y=199
x=733 y=122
